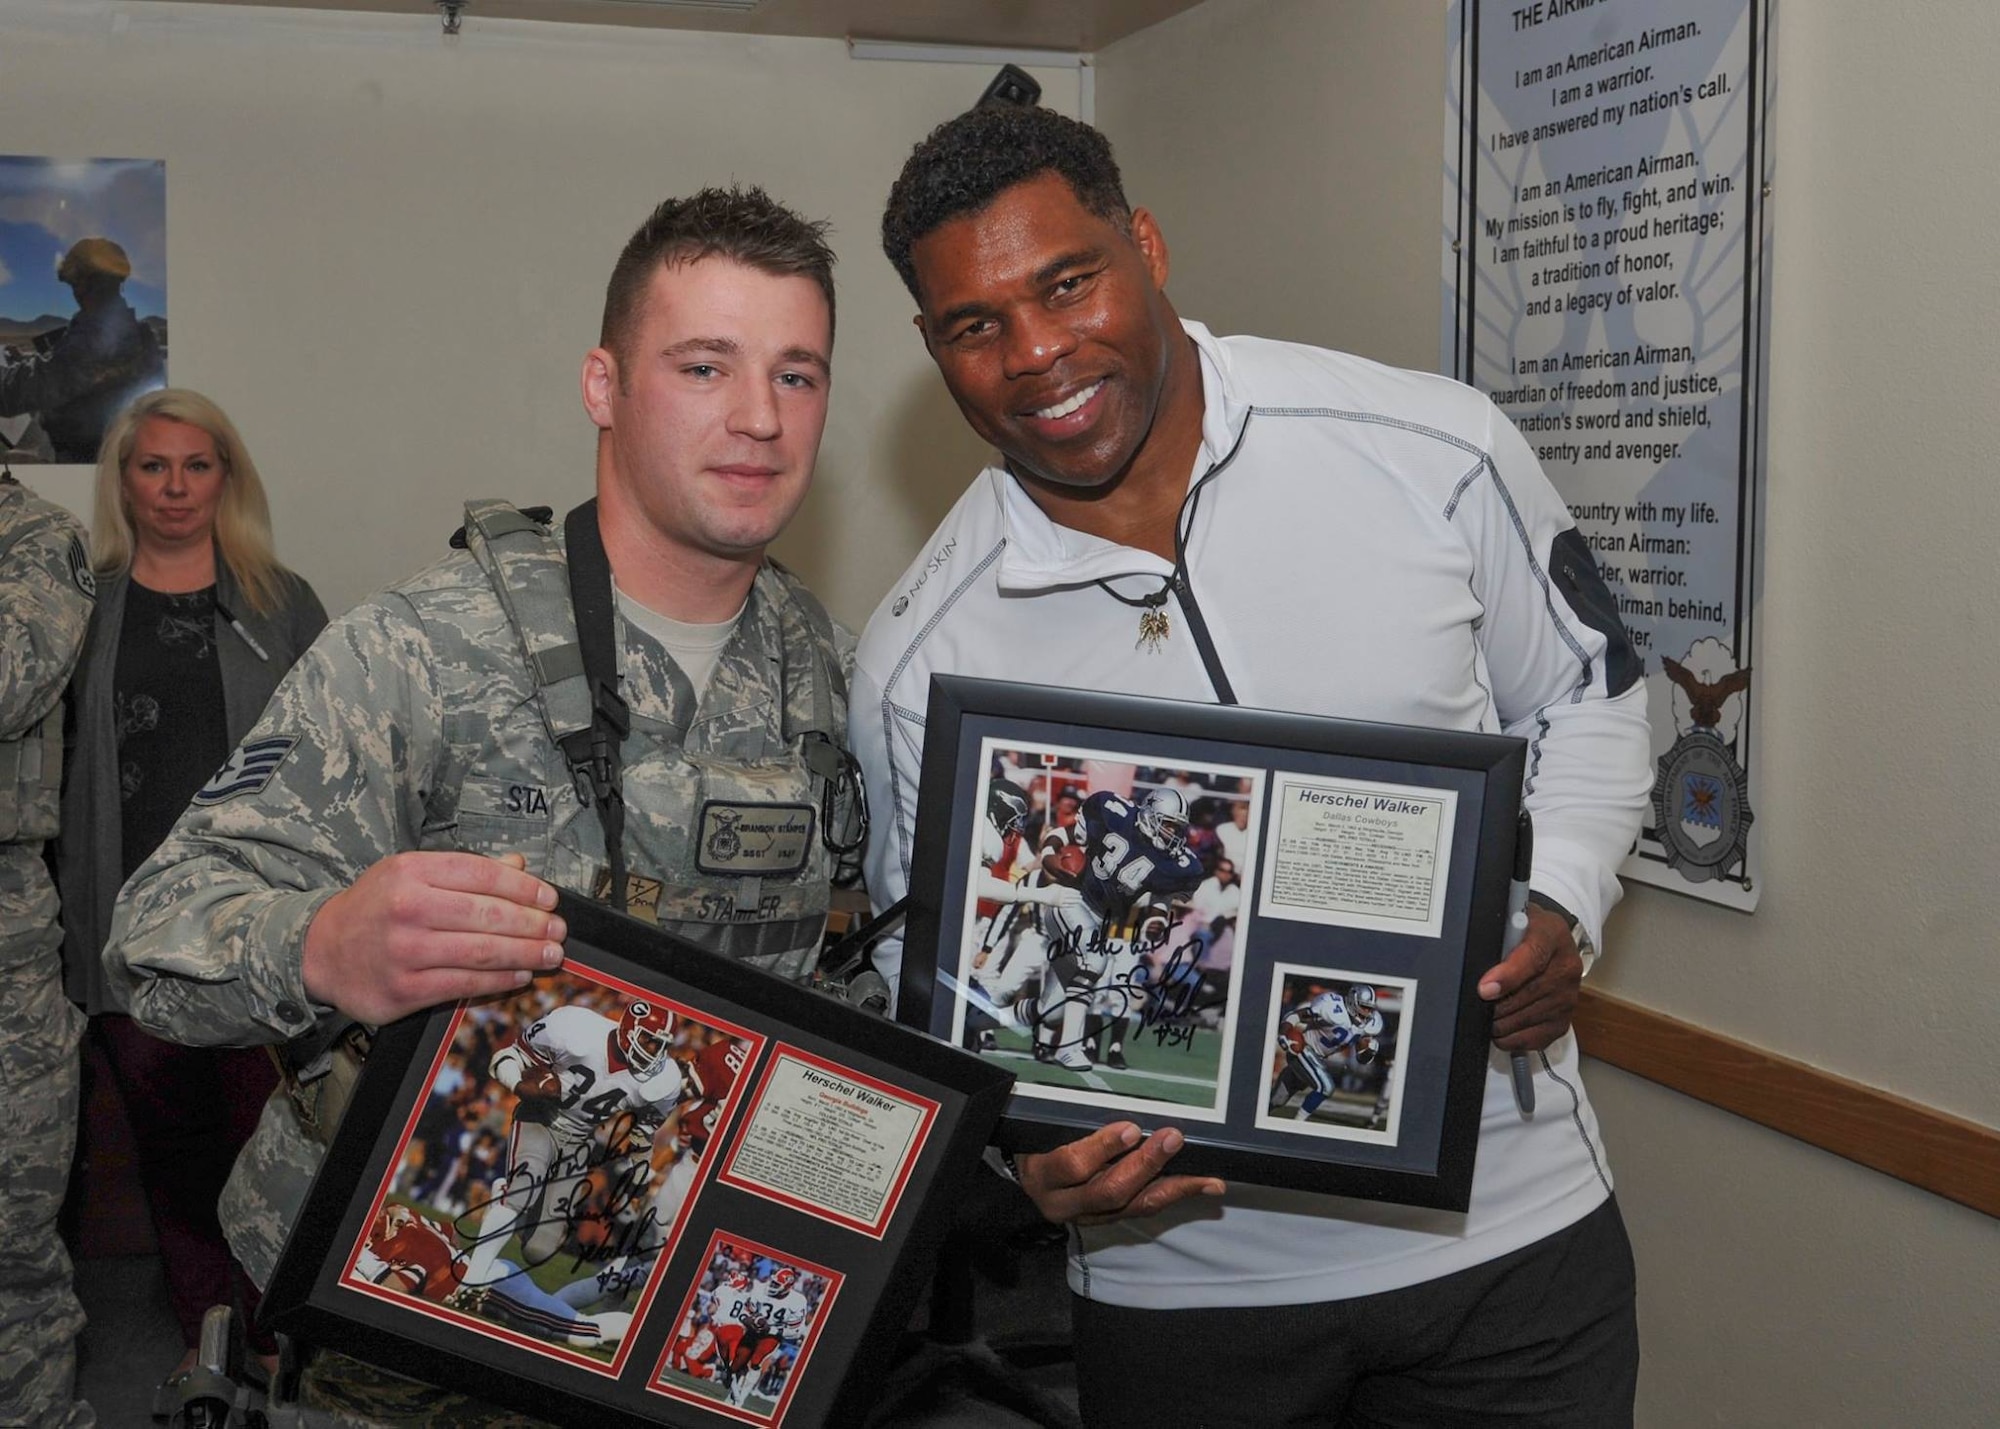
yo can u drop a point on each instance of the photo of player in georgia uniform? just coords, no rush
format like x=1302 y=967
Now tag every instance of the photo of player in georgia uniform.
x=708 y=1077
x=1333 y=1065
x=1086 y=965
x=600 y=1098
x=420 y=1256
x=744 y=1329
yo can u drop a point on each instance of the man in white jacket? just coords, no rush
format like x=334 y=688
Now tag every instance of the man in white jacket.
x=1239 y=520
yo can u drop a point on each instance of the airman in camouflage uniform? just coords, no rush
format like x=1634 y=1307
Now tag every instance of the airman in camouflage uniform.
x=45 y=599
x=349 y=857
x=103 y=359
x=413 y=723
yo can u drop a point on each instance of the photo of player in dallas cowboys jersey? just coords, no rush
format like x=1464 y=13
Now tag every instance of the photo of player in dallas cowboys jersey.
x=1136 y=869
x=1082 y=963
x=1334 y=1062
x=1135 y=854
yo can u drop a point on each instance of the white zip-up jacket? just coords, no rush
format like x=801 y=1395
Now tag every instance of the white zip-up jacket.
x=1379 y=545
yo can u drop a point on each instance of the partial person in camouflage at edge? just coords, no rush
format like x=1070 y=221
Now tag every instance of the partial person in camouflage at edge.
x=46 y=592
x=103 y=359
x=390 y=835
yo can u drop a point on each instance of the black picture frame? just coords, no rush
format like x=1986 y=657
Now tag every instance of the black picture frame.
x=1329 y=903
x=853 y=1221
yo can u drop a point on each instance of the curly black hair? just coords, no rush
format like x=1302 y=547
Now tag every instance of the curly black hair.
x=967 y=162
x=745 y=225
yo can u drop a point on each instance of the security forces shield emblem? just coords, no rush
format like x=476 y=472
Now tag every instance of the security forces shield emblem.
x=754 y=840
x=1701 y=807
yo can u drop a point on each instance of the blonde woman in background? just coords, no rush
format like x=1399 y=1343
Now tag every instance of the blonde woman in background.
x=196 y=623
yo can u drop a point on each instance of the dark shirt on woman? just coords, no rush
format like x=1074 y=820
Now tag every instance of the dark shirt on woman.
x=167 y=700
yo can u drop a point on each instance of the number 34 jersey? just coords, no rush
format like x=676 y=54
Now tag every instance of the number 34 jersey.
x=1331 y=1025
x=1123 y=867
x=768 y=1309
x=581 y=1047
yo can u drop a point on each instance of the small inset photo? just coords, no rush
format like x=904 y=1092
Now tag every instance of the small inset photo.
x=746 y=1328
x=1334 y=1041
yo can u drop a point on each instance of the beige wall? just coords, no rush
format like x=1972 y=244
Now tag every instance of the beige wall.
x=1293 y=154
x=1292 y=150
x=387 y=252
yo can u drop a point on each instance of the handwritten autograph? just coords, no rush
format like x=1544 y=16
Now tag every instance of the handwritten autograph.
x=598 y=1218
x=1168 y=1002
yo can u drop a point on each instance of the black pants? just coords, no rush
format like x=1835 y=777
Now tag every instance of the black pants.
x=191 y=1109
x=1546 y=1336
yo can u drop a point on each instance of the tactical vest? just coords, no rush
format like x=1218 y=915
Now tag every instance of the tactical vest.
x=722 y=832
x=30 y=764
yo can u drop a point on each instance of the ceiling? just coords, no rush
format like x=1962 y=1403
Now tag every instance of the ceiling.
x=1068 y=25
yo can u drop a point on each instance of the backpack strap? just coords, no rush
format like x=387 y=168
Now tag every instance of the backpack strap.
x=525 y=565
x=596 y=754
x=823 y=674
x=836 y=778
x=561 y=611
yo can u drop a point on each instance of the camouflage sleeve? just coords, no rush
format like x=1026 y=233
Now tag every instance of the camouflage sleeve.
x=208 y=938
x=45 y=599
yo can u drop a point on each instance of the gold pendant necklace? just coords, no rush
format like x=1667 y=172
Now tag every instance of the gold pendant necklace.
x=1154 y=624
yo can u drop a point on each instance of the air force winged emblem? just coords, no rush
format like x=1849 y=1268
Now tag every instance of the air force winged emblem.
x=1701 y=795
x=247 y=770
x=1706 y=700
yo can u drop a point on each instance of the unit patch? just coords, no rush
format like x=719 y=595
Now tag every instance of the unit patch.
x=752 y=840
x=642 y=895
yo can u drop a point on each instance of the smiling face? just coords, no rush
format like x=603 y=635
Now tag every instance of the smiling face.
x=712 y=414
x=172 y=484
x=1053 y=331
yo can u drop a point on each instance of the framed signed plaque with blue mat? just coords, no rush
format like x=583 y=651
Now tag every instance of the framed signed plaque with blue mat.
x=1265 y=929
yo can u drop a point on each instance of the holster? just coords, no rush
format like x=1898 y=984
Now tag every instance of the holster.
x=319 y=1072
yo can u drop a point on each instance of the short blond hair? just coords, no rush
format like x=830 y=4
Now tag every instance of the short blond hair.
x=242 y=520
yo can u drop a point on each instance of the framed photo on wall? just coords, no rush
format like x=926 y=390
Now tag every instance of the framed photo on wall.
x=652 y=1187
x=1264 y=929
x=83 y=305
